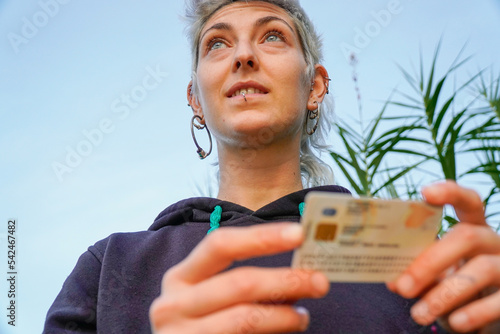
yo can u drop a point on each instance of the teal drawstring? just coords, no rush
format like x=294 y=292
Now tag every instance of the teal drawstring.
x=215 y=217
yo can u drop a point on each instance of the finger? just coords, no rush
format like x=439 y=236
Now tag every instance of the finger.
x=476 y=314
x=244 y=318
x=466 y=202
x=249 y=285
x=226 y=245
x=258 y=318
x=462 y=242
x=457 y=289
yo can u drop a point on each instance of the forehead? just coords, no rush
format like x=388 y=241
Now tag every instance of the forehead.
x=250 y=9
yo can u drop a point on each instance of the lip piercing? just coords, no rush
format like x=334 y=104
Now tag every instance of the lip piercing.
x=244 y=96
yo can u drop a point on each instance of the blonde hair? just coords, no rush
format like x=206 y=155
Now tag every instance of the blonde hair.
x=314 y=170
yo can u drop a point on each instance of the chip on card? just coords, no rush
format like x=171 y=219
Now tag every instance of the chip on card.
x=325 y=232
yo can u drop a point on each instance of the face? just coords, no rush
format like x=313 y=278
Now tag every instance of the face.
x=251 y=75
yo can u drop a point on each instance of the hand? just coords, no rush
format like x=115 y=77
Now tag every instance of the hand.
x=457 y=295
x=197 y=297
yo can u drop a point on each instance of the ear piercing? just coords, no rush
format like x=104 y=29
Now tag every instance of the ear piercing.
x=327 y=84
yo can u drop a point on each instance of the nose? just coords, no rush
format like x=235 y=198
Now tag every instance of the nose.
x=245 y=58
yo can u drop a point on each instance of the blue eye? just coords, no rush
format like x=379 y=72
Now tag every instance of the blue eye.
x=273 y=38
x=215 y=44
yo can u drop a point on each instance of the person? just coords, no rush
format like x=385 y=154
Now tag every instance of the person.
x=222 y=265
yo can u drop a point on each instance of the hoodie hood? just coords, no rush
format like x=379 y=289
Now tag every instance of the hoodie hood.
x=198 y=210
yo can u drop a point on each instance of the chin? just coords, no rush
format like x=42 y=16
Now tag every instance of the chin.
x=254 y=134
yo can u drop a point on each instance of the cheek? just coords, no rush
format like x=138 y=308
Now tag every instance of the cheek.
x=293 y=75
x=297 y=89
x=204 y=78
x=206 y=85
x=212 y=71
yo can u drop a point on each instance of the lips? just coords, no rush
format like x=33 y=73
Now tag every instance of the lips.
x=249 y=87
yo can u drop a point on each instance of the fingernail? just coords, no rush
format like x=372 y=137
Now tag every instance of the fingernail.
x=406 y=284
x=304 y=317
x=420 y=312
x=429 y=191
x=292 y=232
x=320 y=283
x=422 y=192
x=459 y=320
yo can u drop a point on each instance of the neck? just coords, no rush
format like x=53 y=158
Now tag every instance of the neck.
x=254 y=177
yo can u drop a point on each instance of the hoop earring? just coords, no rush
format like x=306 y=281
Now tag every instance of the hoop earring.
x=201 y=152
x=313 y=114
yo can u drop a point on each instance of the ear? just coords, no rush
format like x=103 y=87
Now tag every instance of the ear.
x=319 y=87
x=194 y=103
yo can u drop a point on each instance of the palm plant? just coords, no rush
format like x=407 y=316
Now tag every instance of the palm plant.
x=487 y=134
x=431 y=129
x=365 y=152
x=363 y=163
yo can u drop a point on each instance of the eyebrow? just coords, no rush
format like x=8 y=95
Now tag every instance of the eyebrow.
x=260 y=22
x=265 y=20
x=217 y=26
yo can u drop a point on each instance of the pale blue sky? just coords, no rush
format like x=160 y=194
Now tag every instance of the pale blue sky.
x=69 y=76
